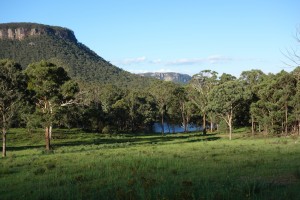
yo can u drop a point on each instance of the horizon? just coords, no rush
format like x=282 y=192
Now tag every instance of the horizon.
x=180 y=37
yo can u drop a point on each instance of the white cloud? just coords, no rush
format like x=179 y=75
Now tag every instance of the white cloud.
x=185 y=61
x=218 y=59
x=194 y=61
x=157 y=61
x=138 y=71
x=130 y=61
x=162 y=70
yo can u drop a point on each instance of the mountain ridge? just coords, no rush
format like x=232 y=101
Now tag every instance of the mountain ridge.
x=31 y=42
x=168 y=76
x=20 y=31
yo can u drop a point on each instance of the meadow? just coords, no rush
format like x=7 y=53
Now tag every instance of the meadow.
x=124 y=166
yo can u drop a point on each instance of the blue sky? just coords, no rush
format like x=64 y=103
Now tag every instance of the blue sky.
x=184 y=36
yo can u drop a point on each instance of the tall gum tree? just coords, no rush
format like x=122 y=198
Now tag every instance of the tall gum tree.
x=250 y=80
x=295 y=101
x=203 y=83
x=162 y=93
x=53 y=89
x=12 y=90
x=224 y=99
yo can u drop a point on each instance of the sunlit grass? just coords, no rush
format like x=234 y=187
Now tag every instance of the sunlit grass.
x=177 y=166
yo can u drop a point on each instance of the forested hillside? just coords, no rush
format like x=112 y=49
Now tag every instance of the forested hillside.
x=28 y=42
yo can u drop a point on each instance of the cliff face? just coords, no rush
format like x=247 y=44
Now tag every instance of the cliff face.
x=20 y=31
x=169 y=76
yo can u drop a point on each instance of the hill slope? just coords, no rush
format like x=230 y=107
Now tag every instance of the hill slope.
x=30 y=42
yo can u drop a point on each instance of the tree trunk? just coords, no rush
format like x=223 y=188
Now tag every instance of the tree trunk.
x=183 y=117
x=4 y=142
x=168 y=122
x=173 y=128
x=211 y=125
x=204 y=121
x=132 y=125
x=47 y=138
x=230 y=130
x=299 y=128
x=50 y=131
x=252 y=125
x=286 y=119
x=230 y=123
x=162 y=124
x=187 y=121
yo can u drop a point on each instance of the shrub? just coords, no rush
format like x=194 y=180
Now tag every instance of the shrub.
x=108 y=130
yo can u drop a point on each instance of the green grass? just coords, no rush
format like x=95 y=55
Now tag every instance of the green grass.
x=180 y=166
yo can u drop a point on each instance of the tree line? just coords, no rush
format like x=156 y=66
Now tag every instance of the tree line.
x=43 y=95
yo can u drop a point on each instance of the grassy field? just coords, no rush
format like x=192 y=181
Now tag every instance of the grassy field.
x=179 y=166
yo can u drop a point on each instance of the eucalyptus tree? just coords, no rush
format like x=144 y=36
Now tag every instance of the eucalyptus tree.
x=138 y=108
x=113 y=115
x=178 y=107
x=250 y=80
x=162 y=94
x=285 y=91
x=274 y=108
x=296 y=109
x=12 y=91
x=224 y=99
x=203 y=83
x=295 y=101
x=52 y=89
x=226 y=77
x=266 y=109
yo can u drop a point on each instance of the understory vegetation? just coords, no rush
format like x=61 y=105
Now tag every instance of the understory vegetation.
x=123 y=166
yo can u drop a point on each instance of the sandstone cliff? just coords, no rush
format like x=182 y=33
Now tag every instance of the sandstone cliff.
x=20 y=31
x=169 y=76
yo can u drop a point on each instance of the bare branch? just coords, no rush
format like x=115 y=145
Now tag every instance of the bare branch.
x=292 y=54
x=70 y=102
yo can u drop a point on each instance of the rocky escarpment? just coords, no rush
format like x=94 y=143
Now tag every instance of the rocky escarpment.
x=169 y=76
x=20 y=31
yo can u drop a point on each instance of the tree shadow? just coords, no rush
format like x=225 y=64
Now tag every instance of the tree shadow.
x=124 y=139
x=26 y=147
x=134 y=140
x=205 y=139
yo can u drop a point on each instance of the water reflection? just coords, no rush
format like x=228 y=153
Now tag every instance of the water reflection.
x=171 y=128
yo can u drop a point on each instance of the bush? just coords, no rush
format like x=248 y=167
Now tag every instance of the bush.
x=108 y=130
x=223 y=127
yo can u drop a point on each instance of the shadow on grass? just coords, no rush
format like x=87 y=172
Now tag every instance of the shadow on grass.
x=131 y=139
x=19 y=148
x=206 y=139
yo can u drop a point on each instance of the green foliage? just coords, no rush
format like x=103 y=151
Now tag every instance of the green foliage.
x=224 y=99
x=12 y=91
x=52 y=90
x=201 y=85
x=275 y=95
